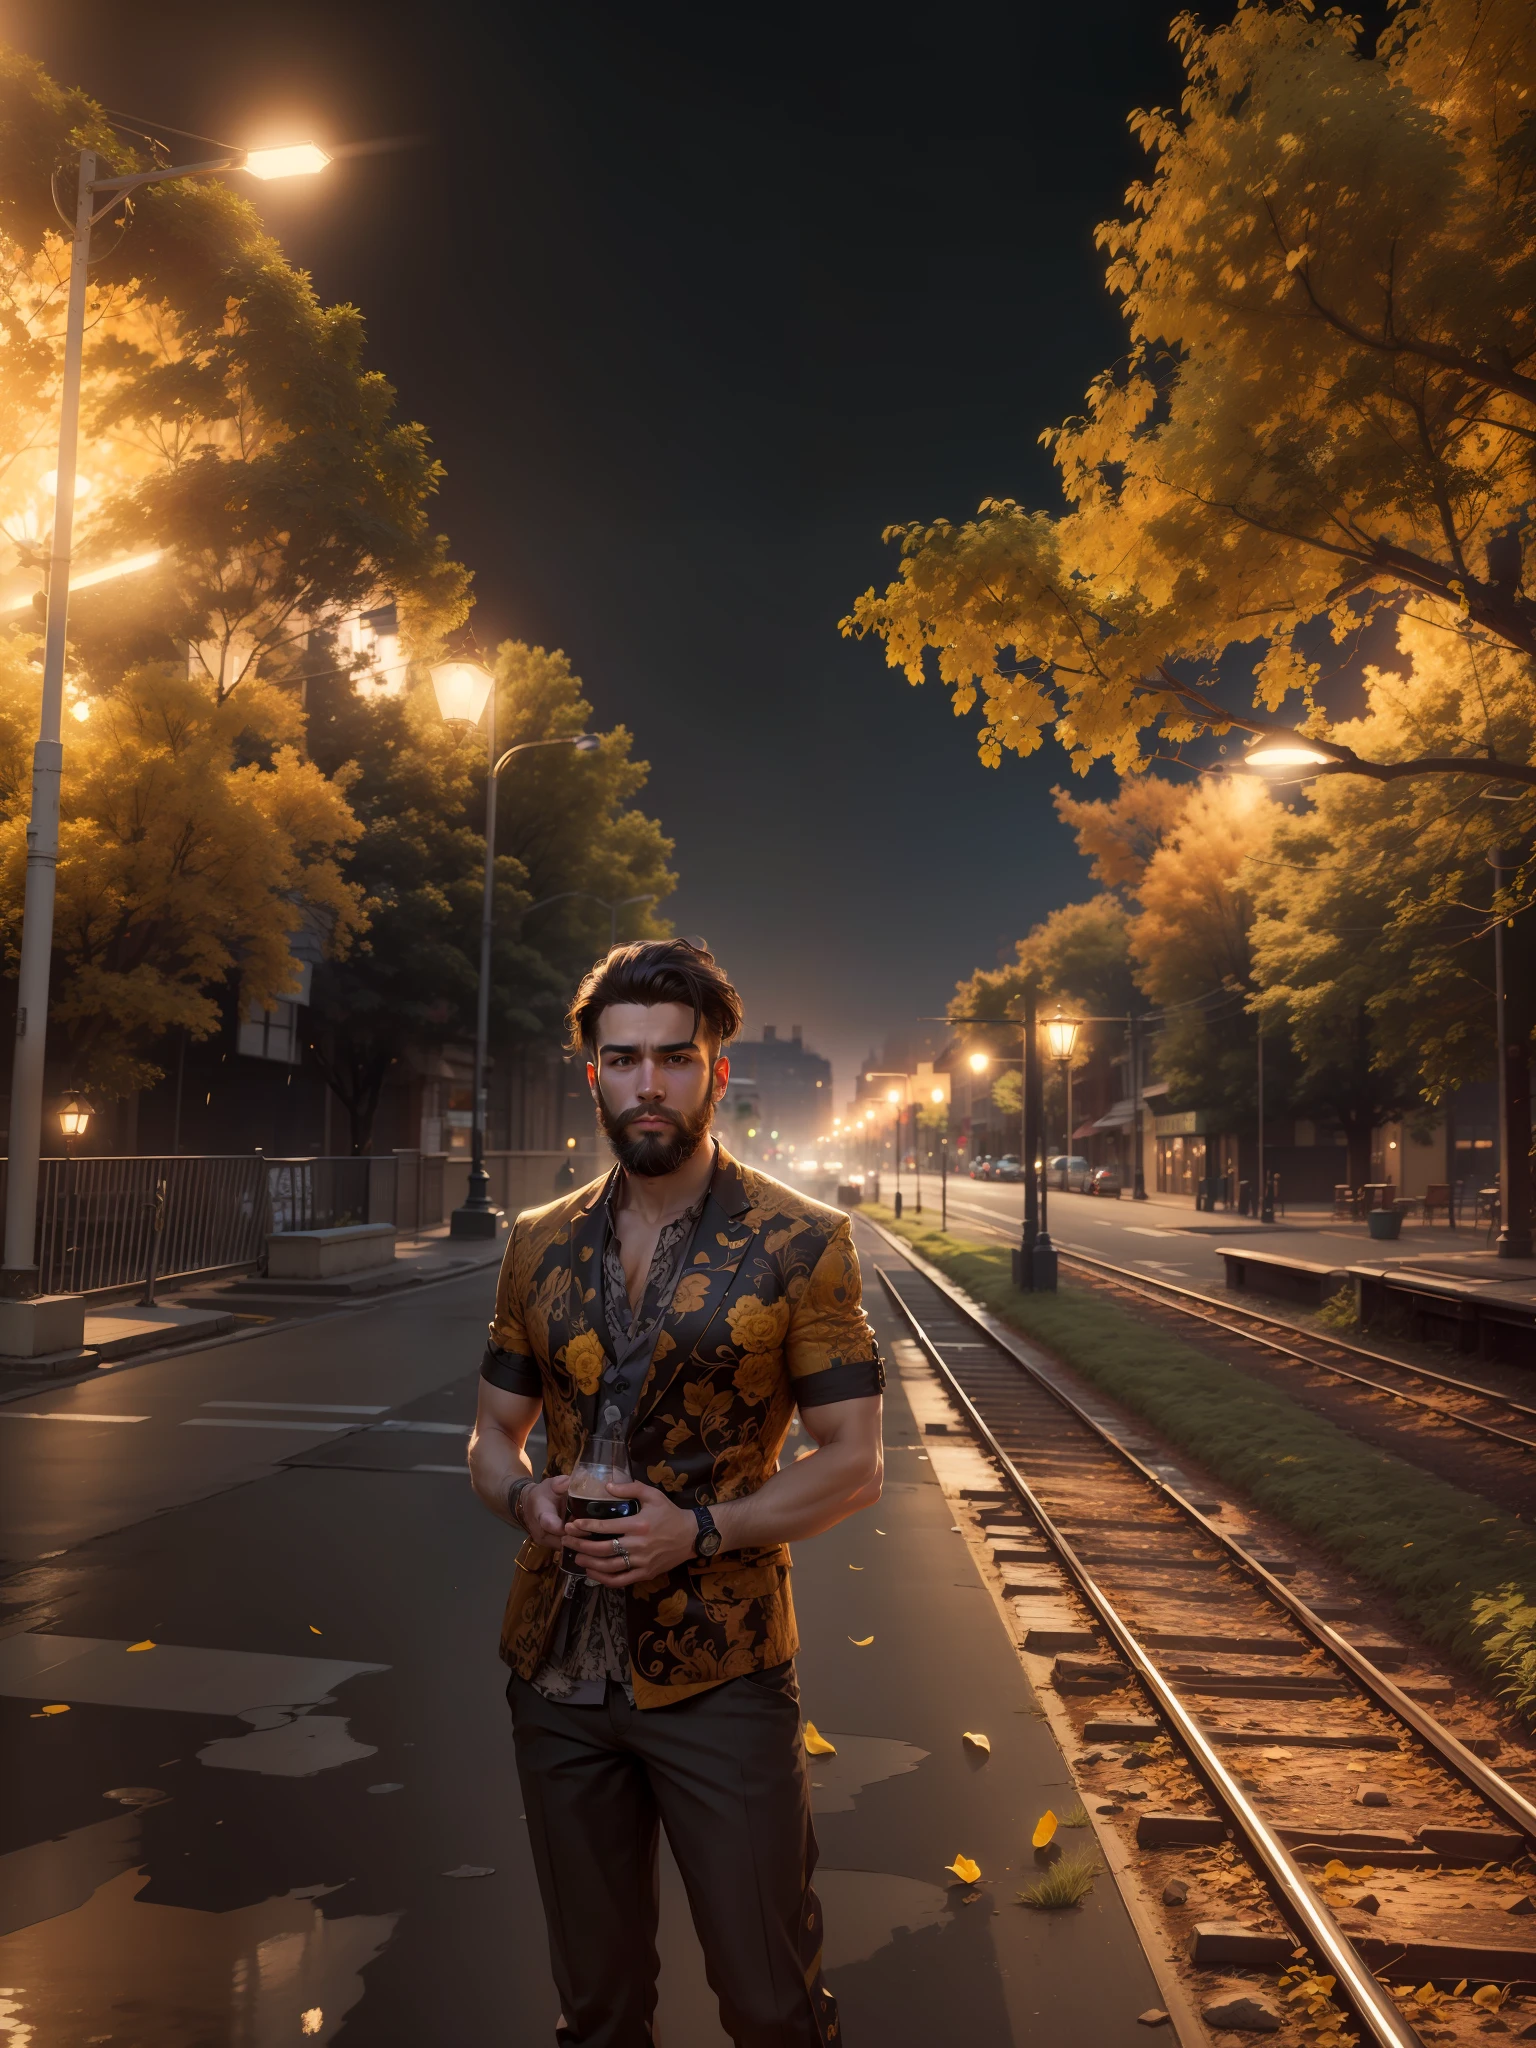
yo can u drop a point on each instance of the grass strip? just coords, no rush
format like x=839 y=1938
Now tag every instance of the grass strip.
x=1462 y=1570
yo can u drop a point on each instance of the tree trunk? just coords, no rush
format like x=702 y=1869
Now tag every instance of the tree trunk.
x=1358 y=1138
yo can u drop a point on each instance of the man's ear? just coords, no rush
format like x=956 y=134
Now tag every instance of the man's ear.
x=592 y=1078
x=722 y=1078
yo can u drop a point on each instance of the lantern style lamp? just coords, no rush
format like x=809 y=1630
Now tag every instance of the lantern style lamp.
x=75 y=1116
x=462 y=689
x=1061 y=1036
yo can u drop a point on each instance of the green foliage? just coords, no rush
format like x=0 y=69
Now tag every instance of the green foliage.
x=1440 y=1553
x=1067 y=1882
x=564 y=822
x=1340 y=1311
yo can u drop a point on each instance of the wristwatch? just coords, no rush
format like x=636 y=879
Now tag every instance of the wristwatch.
x=709 y=1539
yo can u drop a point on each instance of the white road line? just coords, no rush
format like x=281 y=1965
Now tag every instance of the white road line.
x=304 y=1407
x=62 y=1415
x=458 y=1471
x=428 y=1428
x=259 y=1422
x=1145 y=1230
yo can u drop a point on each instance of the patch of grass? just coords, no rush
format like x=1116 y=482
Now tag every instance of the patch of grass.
x=1077 y=1818
x=1340 y=1311
x=1067 y=1883
x=1462 y=1570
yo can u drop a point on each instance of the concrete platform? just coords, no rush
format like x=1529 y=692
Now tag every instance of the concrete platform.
x=115 y=1333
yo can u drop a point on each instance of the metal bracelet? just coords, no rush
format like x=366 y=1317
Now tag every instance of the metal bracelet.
x=515 y=1494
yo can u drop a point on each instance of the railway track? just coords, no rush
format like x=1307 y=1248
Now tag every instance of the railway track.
x=1295 y=1792
x=1474 y=1409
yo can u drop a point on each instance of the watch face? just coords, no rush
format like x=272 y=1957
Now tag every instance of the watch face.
x=709 y=1543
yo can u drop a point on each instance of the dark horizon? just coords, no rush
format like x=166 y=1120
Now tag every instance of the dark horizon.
x=690 y=317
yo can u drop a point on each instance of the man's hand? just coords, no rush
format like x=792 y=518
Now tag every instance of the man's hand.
x=541 y=1510
x=660 y=1536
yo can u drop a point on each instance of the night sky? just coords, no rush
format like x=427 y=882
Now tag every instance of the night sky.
x=694 y=301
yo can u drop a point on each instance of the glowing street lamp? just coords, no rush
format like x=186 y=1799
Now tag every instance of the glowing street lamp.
x=1061 y=1036
x=293 y=160
x=75 y=1116
x=95 y=197
x=1272 y=753
x=980 y=1061
x=466 y=693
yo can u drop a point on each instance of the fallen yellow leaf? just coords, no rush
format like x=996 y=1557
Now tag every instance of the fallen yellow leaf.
x=816 y=1743
x=855 y=1567
x=965 y=1869
x=1045 y=1828
x=879 y=1532
x=313 y=1630
x=50 y=1710
x=861 y=1642
x=977 y=1741
x=145 y=1645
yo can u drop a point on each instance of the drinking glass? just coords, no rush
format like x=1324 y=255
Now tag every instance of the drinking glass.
x=605 y=1458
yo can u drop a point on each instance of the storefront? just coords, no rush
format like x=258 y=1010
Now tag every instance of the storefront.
x=1181 y=1151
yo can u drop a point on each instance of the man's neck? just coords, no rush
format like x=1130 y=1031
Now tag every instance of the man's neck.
x=657 y=1198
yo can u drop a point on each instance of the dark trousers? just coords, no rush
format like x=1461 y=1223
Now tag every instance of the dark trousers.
x=724 y=1773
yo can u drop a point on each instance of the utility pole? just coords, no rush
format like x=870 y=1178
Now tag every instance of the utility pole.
x=1515 y=1204
x=1139 y=1178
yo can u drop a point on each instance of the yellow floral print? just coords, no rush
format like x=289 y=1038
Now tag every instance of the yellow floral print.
x=584 y=1358
x=689 y=1295
x=758 y=1374
x=758 y=1325
x=672 y=1608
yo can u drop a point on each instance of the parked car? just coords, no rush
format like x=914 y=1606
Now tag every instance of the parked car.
x=1106 y=1180
x=1007 y=1168
x=981 y=1169
x=1067 y=1170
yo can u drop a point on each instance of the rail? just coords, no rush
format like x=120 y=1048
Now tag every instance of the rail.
x=1308 y=1917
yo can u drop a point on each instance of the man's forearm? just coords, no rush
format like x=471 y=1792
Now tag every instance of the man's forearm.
x=495 y=1460
x=813 y=1494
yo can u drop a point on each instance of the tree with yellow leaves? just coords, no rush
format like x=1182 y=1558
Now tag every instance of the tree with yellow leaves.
x=1327 y=408
x=183 y=860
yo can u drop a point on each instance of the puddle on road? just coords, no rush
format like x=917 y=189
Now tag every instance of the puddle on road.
x=298 y=1749
x=861 y=1760
x=144 y=1976
x=172 y=1677
x=863 y=1910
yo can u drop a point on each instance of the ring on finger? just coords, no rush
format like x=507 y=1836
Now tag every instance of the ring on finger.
x=623 y=1554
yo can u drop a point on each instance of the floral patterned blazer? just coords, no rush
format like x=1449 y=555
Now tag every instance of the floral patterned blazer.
x=767 y=1316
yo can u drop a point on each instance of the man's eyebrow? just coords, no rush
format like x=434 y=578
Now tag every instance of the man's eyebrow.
x=681 y=1045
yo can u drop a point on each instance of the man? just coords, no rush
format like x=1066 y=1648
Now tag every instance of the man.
x=692 y=1305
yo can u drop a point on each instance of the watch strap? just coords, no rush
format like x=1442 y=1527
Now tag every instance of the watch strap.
x=706 y=1522
x=515 y=1494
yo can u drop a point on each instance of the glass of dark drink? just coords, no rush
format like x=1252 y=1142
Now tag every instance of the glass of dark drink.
x=604 y=1458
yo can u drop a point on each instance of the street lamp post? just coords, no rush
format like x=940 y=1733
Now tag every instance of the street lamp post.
x=1515 y=1204
x=94 y=199
x=466 y=691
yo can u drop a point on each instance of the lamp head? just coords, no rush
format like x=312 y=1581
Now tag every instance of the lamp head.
x=75 y=1115
x=463 y=689
x=1273 y=753
x=893 y=1095
x=293 y=160
x=588 y=743
x=980 y=1061
x=1061 y=1036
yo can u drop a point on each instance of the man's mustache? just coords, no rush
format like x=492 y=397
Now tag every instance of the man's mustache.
x=631 y=1116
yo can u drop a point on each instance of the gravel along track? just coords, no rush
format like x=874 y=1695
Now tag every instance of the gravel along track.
x=1279 y=1786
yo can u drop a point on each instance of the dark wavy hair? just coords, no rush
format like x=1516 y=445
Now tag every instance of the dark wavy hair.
x=656 y=971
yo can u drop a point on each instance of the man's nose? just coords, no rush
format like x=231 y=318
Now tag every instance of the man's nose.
x=650 y=1084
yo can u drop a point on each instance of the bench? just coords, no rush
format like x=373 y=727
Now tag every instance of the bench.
x=328 y=1254
x=1287 y=1279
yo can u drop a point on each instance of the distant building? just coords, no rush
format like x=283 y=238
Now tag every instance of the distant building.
x=779 y=1091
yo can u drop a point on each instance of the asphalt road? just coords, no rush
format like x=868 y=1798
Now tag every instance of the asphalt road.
x=295 y=1816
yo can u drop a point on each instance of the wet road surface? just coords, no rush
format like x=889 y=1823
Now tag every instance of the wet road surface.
x=295 y=1816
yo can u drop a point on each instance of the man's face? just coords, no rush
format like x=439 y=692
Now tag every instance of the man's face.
x=654 y=1084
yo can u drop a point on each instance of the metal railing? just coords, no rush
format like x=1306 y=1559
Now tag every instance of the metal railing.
x=102 y=1224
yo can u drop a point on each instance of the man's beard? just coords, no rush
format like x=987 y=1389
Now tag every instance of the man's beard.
x=653 y=1153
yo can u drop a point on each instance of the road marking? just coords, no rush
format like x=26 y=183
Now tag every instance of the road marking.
x=1146 y=1230
x=62 y=1415
x=258 y=1422
x=1160 y=1265
x=428 y=1428
x=307 y=1407
x=458 y=1471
